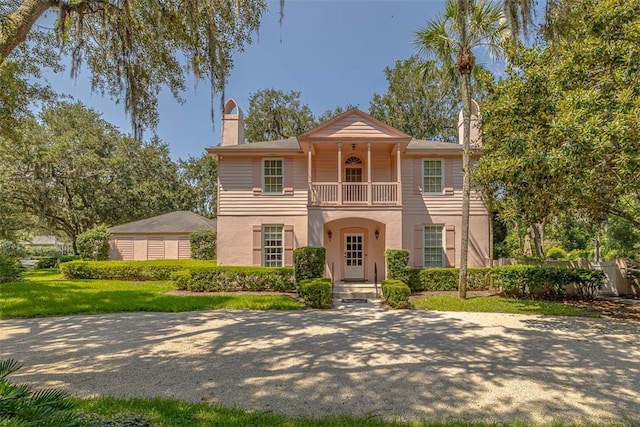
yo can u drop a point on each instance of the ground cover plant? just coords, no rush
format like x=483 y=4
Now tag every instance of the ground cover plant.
x=47 y=293
x=494 y=304
x=169 y=412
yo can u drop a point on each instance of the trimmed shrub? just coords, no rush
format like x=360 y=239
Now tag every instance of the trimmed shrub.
x=203 y=244
x=93 y=244
x=315 y=292
x=556 y=253
x=397 y=261
x=446 y=279
x=526 y=281
x=308 y=262
x=67 y=258
x=10 y=269
x=181 y=279
x=160 y=269
x=588 y=282
x=396 y=293
x=47 y=262
x=234 y=279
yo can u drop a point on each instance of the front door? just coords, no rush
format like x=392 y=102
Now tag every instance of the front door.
x=354 y=256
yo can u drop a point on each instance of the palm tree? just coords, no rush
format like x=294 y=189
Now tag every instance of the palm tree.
x=451 y=39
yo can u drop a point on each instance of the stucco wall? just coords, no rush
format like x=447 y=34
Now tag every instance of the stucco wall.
x=235 y=236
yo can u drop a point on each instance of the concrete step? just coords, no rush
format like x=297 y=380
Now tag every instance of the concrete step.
x=355 y=291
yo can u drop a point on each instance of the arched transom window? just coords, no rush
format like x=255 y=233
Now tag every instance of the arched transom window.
x=353 y=169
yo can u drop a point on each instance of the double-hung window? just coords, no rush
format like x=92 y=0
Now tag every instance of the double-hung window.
x=432 y=172
x=272 y=176
x=272 y=246
x=433 y=246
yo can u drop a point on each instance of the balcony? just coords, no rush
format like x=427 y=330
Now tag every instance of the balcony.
x=354 y=194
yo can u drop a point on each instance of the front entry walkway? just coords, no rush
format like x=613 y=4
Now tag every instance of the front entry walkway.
x=403 y=364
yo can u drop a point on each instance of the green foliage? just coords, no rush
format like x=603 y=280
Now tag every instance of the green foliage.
x=527 y=281
x=47 y=262
x=47 y=293
x=588 y=282
x=135 y=52
x=308 y=262
x=396 y=293
x=274 y=114
x=315 y=292
x=556 y=253
x=423 y=105
x=234 y=279
x=446 y=279
x=20 y=405
x=201 y=176
x=93 y=244
x=128 y=270
x=67 y=258
x=397 y=261
x=622 y=238
x=494 y=304
x=203 y=244
x=126 y=420
x=11 y=249
x=580 y=254
x=10 y=269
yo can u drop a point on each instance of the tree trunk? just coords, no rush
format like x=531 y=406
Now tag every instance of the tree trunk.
x=18 y=24
x=466 y=183
x=538 y=237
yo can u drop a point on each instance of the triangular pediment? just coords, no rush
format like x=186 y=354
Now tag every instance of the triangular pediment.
x=354 y=124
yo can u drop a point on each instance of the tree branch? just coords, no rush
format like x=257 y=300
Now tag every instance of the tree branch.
x=18 y=24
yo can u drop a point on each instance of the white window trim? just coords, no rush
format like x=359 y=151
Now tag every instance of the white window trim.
x=282 y=237
x=272 y=193
x=441 y=176
x=444 y=244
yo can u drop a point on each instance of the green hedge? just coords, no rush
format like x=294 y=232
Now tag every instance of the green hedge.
x=234 y=279
x=396 y=293
x=308 y=262
x=397 y=260
x=160 y=269
x=526 y=281
x=315 y=292
x=203 y=244
x=446 y=279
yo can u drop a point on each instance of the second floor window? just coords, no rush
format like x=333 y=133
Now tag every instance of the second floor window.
x=432 y=176
x=272 y=176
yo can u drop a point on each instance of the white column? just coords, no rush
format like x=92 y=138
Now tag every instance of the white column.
x=309 y=177
x=369 y=201
x=339 y=173
x=399 y=173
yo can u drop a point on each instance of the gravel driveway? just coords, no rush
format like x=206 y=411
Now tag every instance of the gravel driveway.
x=356 y=360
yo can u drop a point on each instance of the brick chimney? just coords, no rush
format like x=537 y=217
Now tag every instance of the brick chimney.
x=232 y=124
x=476 y=138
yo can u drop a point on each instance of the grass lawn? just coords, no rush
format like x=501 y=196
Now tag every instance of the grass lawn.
x=490 y=304
x=47 y=293
x=168 y=412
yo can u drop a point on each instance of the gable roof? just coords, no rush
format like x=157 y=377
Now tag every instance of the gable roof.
x=354 y=124
x=174 y=222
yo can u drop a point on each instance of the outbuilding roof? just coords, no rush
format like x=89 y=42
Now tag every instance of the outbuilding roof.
x=174 y=222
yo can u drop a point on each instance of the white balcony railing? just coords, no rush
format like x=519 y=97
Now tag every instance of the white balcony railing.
x=354 y=193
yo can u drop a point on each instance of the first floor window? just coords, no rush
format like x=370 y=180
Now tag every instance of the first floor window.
x=272 y=173
x=272 y=246
x=433 y=247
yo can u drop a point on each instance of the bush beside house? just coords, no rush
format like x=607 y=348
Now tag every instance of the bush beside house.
x=93 y=244
x=203 y=244
x=235 y=279
x=396 y=293
x=315 y=292
x=308 y=262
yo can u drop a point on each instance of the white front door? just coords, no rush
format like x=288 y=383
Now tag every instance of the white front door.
x=354 y=256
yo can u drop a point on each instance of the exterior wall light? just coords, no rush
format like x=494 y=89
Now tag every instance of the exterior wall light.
x=377 y=234
x=329 y=234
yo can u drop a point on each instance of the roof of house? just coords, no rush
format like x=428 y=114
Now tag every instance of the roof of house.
x=174 y=222
x=289 y=144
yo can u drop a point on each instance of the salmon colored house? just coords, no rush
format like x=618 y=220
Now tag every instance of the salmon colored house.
x=352 y=185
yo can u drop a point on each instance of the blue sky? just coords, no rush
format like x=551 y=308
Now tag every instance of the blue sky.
x=333 y=52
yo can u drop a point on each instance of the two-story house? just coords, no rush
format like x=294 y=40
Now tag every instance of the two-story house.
x=353 y=185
